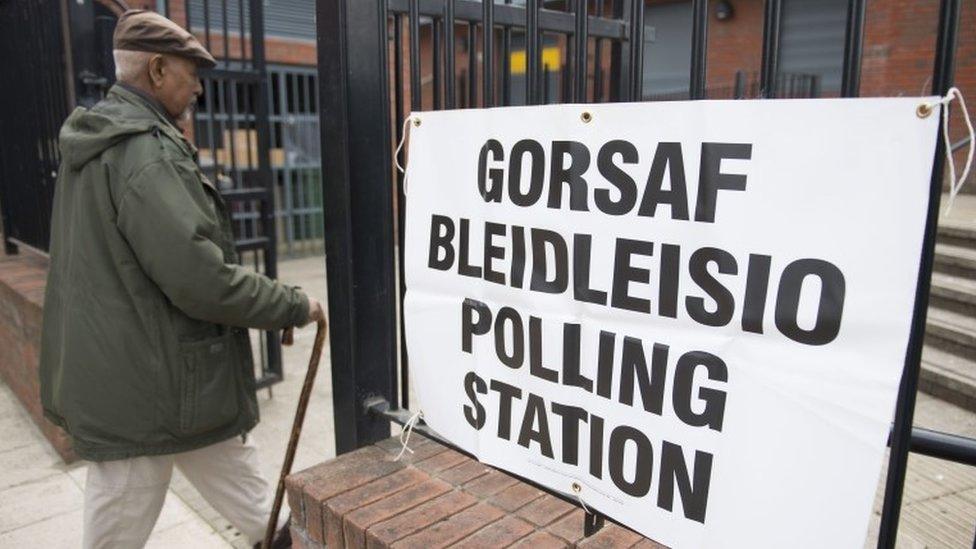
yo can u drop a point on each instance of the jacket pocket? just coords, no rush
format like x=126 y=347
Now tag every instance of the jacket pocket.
x=208 y=385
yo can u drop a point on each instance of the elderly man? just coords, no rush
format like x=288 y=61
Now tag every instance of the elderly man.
x=146 y=361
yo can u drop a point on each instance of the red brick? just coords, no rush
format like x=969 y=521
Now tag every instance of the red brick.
x=295 y=482
x=317 y=492
x=355 y=523
x=385 y=533
x=545 y=510
x=441 y=461
x=465 y=472
x=489 y=484
x=340 y=505
x=500 y=533
x=516 y=496
x=570 y=527
x=454 y=528
x=611 y=536
x=540 y=540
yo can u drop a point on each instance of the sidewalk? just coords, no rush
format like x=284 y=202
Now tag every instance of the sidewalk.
x=41 y=498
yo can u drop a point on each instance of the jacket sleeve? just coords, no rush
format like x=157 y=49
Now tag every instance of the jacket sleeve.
x=167 y=229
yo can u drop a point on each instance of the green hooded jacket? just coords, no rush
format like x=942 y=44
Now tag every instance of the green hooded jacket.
x=145 y=347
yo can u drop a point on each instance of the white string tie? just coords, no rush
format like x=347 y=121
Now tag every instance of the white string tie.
x=578 y=491
x=396 y=153
x=955 y=184
x=405 y=433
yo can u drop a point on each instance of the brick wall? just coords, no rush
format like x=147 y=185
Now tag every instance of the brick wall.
x=433 y=497
x=22 y=280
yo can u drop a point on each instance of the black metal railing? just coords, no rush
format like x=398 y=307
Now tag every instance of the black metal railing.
x=34 y=100
x=362 y=43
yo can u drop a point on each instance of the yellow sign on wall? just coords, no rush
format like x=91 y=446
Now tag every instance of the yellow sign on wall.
x=550 y=60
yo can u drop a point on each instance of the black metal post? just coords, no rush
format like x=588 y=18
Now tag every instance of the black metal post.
x=354 y=100
x=472 y=65
x=415 y=84
x=620 y=57
x=488 y=53
x=266 y=177
x=449 y=47
x=942 y=77
x=507 y=63
x=636 y=50
x=853 y=47
x=532 y=53
x=699 y=49
x=770 y=50
x=582 y=39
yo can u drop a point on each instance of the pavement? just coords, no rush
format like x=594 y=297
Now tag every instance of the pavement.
x=41 y=498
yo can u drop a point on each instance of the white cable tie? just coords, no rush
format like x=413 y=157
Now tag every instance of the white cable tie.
x=955 y=185
x=578 y=490
x=407 y=429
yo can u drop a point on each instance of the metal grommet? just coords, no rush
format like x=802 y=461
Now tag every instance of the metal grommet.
x=586 y=117
x=416 y=121
x=924 y=110
x=577 y=488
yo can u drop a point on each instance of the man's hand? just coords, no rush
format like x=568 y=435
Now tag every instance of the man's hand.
x=315 y=311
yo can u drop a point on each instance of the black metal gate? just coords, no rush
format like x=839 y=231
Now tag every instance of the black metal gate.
x=370 y=63
x=232 y=132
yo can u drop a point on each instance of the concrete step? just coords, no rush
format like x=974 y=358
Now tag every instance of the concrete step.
x=951 y=331
x=949 y=377
x=953 y=293
x=958 y=233
x=955 y=260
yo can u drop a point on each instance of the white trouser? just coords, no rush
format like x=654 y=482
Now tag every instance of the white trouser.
x=123 y=498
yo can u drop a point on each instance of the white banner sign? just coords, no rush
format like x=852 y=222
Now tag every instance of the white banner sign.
x=697 y=312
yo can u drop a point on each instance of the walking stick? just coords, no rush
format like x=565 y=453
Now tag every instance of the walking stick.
x=296 y=427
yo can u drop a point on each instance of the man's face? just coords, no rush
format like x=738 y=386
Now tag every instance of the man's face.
x=177 y=87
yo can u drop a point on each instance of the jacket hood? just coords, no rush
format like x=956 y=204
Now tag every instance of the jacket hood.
x=87 y=133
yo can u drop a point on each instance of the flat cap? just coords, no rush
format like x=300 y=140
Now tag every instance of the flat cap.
x=144 y=30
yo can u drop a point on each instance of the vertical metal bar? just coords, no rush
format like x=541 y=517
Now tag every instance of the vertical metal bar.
x=598 y=59
x=770 y=50
x=449 y=49
x=230 y=98
x=488 y=52
x=582 y=40
x=546 y=88
x=415 y=84
x=850 y=85
x=532 y=53
x=942 y=77
x=398 y=129
x=355 y=116
x=261 y=122
x=740 y=85
x=241 y=36
x=699 y=49
x=436 y=26
x=507 y=63
x=226 y=39
x=637 y=50
x=472 y=66
x=398 y=75
x=206 y=23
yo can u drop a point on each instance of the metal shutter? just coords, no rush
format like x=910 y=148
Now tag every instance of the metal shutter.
x=282 y=18
x=812 y=40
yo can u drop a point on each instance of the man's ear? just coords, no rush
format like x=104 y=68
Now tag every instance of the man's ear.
x=157 y=70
